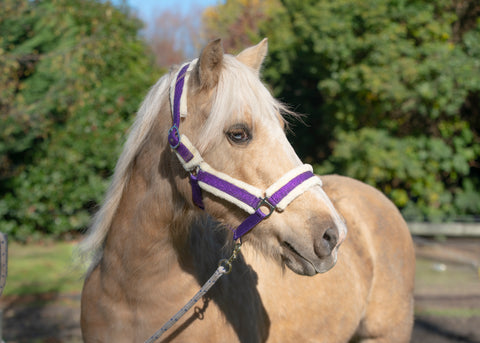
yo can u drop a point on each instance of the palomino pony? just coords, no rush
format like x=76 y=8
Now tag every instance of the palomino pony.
x=210 y=135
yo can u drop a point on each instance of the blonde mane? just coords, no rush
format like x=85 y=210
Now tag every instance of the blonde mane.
x=92 y=246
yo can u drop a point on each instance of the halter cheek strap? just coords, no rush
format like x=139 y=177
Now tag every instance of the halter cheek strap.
x=257 y=203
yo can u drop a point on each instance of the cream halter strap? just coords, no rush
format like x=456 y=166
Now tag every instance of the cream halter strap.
x=204 y=177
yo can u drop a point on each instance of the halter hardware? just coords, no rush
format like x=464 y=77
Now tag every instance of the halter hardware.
x=227 y=263
x=266 y=203
x=174 y=137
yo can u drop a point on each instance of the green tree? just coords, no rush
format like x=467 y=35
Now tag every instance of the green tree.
x=72 y=75
x=391 y=89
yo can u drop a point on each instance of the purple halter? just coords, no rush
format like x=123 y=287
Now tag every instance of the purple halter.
x=204 y=177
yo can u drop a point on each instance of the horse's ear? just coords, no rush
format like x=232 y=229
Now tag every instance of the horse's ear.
x=254 y=56
x=209 y=64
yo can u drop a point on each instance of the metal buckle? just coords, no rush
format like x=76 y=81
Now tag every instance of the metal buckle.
x=174 y=137
x=266 y=203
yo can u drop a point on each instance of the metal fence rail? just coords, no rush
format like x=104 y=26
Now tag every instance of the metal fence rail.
x=454 y=229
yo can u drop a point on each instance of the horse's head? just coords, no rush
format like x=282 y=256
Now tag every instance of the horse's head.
x=236 y=128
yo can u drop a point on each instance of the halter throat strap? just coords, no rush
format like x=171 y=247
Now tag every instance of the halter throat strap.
x=257 y=203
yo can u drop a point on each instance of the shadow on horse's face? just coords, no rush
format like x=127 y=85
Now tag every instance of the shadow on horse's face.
x=239 y=131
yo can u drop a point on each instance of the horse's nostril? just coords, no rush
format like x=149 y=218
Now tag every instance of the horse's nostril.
x=325 y=245
x=331 y=237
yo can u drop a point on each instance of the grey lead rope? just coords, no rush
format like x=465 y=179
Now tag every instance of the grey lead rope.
x=224 y=267
x=218 y=273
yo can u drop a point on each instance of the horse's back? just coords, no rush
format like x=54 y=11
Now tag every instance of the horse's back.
x=368 y=295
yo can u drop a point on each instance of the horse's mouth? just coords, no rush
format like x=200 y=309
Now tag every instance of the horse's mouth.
x=299 y=264
x=291 y=248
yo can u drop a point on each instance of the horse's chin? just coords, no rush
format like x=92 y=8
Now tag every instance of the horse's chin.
x=306 y=266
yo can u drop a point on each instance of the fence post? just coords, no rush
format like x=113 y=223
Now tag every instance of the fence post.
x=3 y=273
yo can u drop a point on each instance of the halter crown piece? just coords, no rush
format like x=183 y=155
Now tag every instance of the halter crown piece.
x=203 y=177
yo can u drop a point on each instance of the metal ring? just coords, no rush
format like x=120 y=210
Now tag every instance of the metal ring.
x=266 y=203
x=173 y=132
x=226 y=264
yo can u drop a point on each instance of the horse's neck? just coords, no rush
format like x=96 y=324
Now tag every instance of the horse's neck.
x=145 y=234
x=146 y=264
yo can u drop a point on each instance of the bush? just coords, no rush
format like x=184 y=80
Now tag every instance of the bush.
x=73 y=74
x=424 y=176
x=392 y=89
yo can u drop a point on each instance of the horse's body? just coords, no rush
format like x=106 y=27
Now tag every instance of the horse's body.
x=154 y=249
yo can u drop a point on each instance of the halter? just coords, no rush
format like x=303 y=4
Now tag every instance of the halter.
x=259 y=204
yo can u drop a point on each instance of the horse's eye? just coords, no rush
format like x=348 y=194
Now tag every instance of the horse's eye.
x=239 y=134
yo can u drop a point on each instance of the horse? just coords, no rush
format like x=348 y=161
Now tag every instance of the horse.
x=200 y=173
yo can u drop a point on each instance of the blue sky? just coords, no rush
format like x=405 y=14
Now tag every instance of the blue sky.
x=147 y=9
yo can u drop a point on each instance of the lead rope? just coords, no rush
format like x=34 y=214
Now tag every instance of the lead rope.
x=224 y=267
